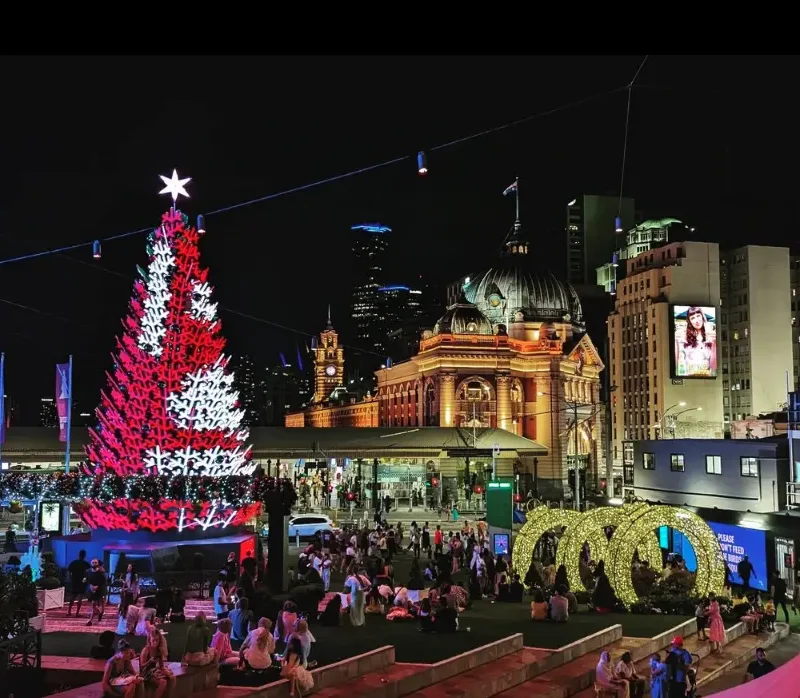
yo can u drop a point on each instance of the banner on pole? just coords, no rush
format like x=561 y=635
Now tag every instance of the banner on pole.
x=2 y=399
x=63 y=399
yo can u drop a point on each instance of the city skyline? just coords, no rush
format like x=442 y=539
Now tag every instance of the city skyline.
x=281 y=261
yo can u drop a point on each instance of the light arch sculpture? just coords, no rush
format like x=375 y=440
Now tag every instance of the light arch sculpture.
x=710 y=576
x=591 y=529
x=539 y=521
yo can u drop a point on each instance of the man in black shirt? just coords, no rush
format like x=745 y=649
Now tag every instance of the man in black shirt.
x=760 y=667
x=77 y=582
x=779 y=593
x=745 y=570
x=97 y=583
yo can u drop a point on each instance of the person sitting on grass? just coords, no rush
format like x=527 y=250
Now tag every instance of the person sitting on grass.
x=538 y=606
x=445 y=620
x=559 y=606
x=425 y=616
x=119 y=677
x=240 y=618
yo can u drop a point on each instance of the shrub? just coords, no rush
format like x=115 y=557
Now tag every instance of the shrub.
x=17 y=602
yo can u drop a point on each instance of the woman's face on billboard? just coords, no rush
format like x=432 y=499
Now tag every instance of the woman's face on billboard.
x=697 y=320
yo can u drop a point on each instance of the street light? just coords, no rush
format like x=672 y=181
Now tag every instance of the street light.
x=674 y=418
x=658 y=426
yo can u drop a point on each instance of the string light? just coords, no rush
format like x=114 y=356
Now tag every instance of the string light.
x=422 y=163
x=335 y=178
x=710 y=576
x=539 y=521
x=635 y=528
x=591 y=529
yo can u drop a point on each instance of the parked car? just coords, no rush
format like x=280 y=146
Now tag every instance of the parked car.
x=306 y=525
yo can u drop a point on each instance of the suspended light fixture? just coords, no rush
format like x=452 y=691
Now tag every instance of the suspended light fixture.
x=96 y=251
x=201 y=224
x=422 y=163
x=613 y=289
x=615 y=260
x=388 y=363
x=618 y=224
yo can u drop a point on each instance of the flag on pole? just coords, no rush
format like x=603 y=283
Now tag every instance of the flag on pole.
x=510 y=189
x=2 y=399
x=63 y=395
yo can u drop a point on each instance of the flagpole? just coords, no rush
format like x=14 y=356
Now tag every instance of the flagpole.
x=69 y=414
x=66 y=507
x=2 y=404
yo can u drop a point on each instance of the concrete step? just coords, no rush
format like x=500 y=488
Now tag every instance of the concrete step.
x=488 y=679
x=573 y=677
x=738 y=651
x=394 y=681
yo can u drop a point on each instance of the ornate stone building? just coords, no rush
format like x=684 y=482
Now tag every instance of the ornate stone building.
x=512 y=353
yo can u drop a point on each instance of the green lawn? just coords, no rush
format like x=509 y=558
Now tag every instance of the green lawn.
x=486 y=622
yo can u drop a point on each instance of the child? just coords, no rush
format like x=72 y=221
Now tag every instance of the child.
x=306 y=638
x=769 y=614
x=702 y=620
x=327 y=563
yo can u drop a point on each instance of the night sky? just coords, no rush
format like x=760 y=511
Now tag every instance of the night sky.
x=712 y=141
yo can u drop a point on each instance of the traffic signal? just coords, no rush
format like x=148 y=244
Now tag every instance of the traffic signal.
x=428 y=480
x=434 y=481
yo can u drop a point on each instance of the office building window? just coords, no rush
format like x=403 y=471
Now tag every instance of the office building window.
x=676 y=464
x=714 y=465
x=749 y=466
x=627 y=452
x=649 y=461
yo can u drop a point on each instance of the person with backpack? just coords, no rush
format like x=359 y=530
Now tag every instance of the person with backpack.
x=678 y=659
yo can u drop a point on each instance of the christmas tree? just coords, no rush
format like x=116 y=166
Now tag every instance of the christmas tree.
x=170 y=408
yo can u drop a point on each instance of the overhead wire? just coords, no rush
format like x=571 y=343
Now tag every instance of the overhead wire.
x=328 y=180
x=629 y=87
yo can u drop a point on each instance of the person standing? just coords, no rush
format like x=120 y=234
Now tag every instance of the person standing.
x=745 y=570
x=677 y=661
x=438 y=540
x=716 y=628
x=426 y=539
x=779 y=593
x=97 y=583
x=77 y=582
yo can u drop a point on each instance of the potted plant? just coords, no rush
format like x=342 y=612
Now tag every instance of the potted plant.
x=18 y=604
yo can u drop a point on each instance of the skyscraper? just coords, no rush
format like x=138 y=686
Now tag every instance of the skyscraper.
x=246 y=383
x=370 y=246
x=592 y=235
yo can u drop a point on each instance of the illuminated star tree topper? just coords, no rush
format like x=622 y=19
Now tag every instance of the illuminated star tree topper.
x=175 y=186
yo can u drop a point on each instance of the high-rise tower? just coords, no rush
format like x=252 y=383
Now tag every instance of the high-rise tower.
x=370 y=245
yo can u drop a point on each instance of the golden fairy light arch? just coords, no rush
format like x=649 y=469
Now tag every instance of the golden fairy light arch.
x=710 y=575
x=635 y=529
x=591 y=529
x=539 y=521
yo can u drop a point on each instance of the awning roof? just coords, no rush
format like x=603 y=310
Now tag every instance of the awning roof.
x=29 y=444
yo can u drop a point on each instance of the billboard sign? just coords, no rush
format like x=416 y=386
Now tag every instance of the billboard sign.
x=694 y=340
x=738 y=541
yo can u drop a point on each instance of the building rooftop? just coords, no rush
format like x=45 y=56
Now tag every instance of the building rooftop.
x=27 y=443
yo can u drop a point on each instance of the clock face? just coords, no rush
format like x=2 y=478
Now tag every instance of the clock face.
x=330 y=370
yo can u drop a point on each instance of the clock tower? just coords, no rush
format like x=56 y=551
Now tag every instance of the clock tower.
x=328 y=362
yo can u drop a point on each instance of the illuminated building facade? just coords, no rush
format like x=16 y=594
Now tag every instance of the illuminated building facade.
x=511 y=353
x=370 y=246
x=650 y=400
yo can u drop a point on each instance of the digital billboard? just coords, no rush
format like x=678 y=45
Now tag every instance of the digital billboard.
x=694 y=337
x=738 y=541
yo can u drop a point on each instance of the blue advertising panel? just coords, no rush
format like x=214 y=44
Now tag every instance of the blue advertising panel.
x=738 y=541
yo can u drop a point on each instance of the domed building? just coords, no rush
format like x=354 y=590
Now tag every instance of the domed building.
x=511 y=353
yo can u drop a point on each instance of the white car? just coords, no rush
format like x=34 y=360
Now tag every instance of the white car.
x=306 y=525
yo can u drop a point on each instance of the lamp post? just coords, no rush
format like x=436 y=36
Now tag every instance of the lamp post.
x=659 y=425
x=674 y=418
